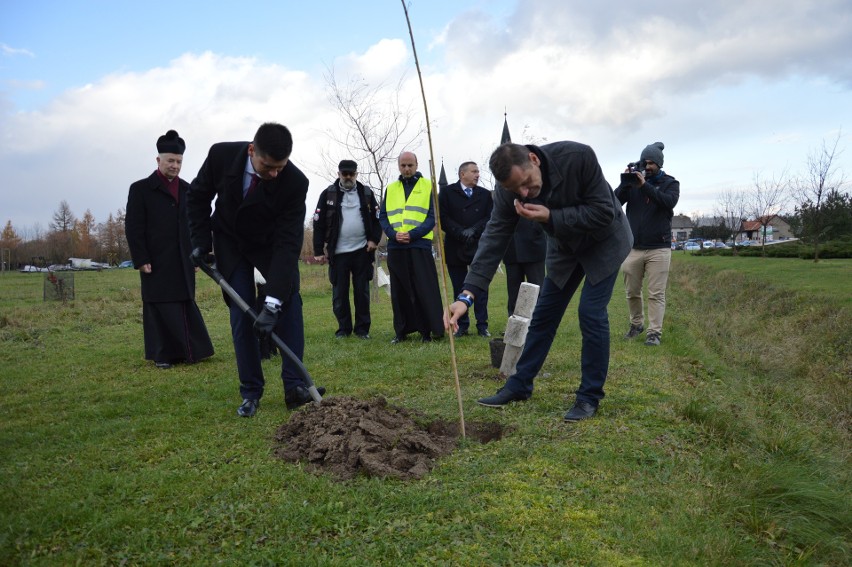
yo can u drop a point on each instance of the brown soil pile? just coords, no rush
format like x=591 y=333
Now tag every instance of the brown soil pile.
x=346 y=437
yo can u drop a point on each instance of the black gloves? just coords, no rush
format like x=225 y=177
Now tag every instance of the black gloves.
x=200 y=256
x=266 y=320
x=468 y=235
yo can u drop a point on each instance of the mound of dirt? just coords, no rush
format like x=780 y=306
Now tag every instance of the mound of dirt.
x=346 y=437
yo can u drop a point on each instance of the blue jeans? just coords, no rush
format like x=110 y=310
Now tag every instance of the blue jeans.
x=594 y=326
x=290 y=328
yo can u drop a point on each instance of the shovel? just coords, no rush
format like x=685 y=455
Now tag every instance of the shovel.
x=245 y=308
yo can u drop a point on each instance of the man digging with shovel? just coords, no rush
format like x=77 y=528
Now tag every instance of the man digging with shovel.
x=258 y=223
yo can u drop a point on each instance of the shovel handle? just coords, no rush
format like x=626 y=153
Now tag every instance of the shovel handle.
x=246 y=308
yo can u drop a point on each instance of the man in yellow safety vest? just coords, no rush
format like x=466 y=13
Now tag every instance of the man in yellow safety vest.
x=407 y=217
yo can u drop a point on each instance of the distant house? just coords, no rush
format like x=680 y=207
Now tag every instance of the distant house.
x=681 y=228
x=776 y=229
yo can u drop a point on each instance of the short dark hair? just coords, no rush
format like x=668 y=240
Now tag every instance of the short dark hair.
x=273 y=140
x=464 y=165
x=505 y=157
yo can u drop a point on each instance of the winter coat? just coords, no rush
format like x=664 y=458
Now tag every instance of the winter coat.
x=266 y=228
x=650 y=209
x=327 y=218
x=586 y=226
x=158 y=234
x=459 y=212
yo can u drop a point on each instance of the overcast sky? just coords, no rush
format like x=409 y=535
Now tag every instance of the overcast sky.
x=734 y=88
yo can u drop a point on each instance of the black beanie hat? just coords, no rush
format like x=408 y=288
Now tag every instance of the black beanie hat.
x=653 y=153
x=170 y=143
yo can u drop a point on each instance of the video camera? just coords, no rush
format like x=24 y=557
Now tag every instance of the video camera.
x=630 y=177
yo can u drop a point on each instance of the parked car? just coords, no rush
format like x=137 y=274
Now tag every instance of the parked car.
x=126 y=264
x=692 y=246
x=708 y=244
x=720 y=245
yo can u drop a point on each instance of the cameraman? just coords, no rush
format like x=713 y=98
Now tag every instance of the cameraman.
x=651 y=196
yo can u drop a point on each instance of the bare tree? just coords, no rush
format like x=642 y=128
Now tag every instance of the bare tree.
x=732 y=206
x=377 y=127
x=62 y=237
x=63 y=218
x=813 y=190
x=767 y=198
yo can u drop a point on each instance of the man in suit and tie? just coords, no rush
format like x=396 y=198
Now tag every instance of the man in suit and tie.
x=258 y=223
x=465 y=209
x=561 y=186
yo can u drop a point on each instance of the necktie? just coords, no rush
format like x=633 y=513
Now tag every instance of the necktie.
x=468 y=191
x=255 y=179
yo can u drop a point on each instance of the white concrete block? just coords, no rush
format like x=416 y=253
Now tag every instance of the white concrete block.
x=516 y=331
x=527 y=298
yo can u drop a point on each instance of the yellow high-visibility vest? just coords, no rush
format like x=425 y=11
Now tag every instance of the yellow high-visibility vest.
x=405 y=215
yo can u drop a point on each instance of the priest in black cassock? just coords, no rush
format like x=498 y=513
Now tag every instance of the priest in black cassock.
x=158 y=236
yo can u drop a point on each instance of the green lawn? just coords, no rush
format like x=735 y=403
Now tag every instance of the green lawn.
x=728 y=445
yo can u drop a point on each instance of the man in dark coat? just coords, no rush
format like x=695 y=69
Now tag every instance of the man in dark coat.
x=407 y=217
x=346 y=234
x=465 y=208
x=158 y=236
x=258 y=223
x=561 y=186
x=650 y=195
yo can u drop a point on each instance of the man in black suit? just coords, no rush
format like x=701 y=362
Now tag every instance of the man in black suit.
x=465 y=208
x=158 y=237
x=258 y=223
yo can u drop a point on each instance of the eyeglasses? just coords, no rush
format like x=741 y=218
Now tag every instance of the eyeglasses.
x=348 y=173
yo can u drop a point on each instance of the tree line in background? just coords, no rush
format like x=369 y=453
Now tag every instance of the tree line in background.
x=66 y=237
x=821 y=206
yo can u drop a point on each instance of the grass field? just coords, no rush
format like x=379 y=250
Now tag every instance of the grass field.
x=728 y=445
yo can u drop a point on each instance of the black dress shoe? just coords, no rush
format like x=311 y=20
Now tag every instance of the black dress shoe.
x=163 y=365
x=581 y=410
x=503 y=397
x=249 y=408
x=365 y=336
x=425 y=338
x=460 y=333
x=300 y=396
x=398 y=339
x=340 y=335
x=484 y=333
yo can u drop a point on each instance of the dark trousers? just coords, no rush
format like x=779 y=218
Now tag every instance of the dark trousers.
x=516 y=274
x=290 y=328
x=480 y=302
x=357 y=267
x=415 y=296
x=594 y=326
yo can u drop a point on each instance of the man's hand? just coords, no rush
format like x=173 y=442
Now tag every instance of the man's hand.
x=468 y=235
x=533 y=212
x=371 y=246
x=403 y=238
x=145 y=268
x=321 y=259
x=201 y=256
x=266 y=320
x=454 y=312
